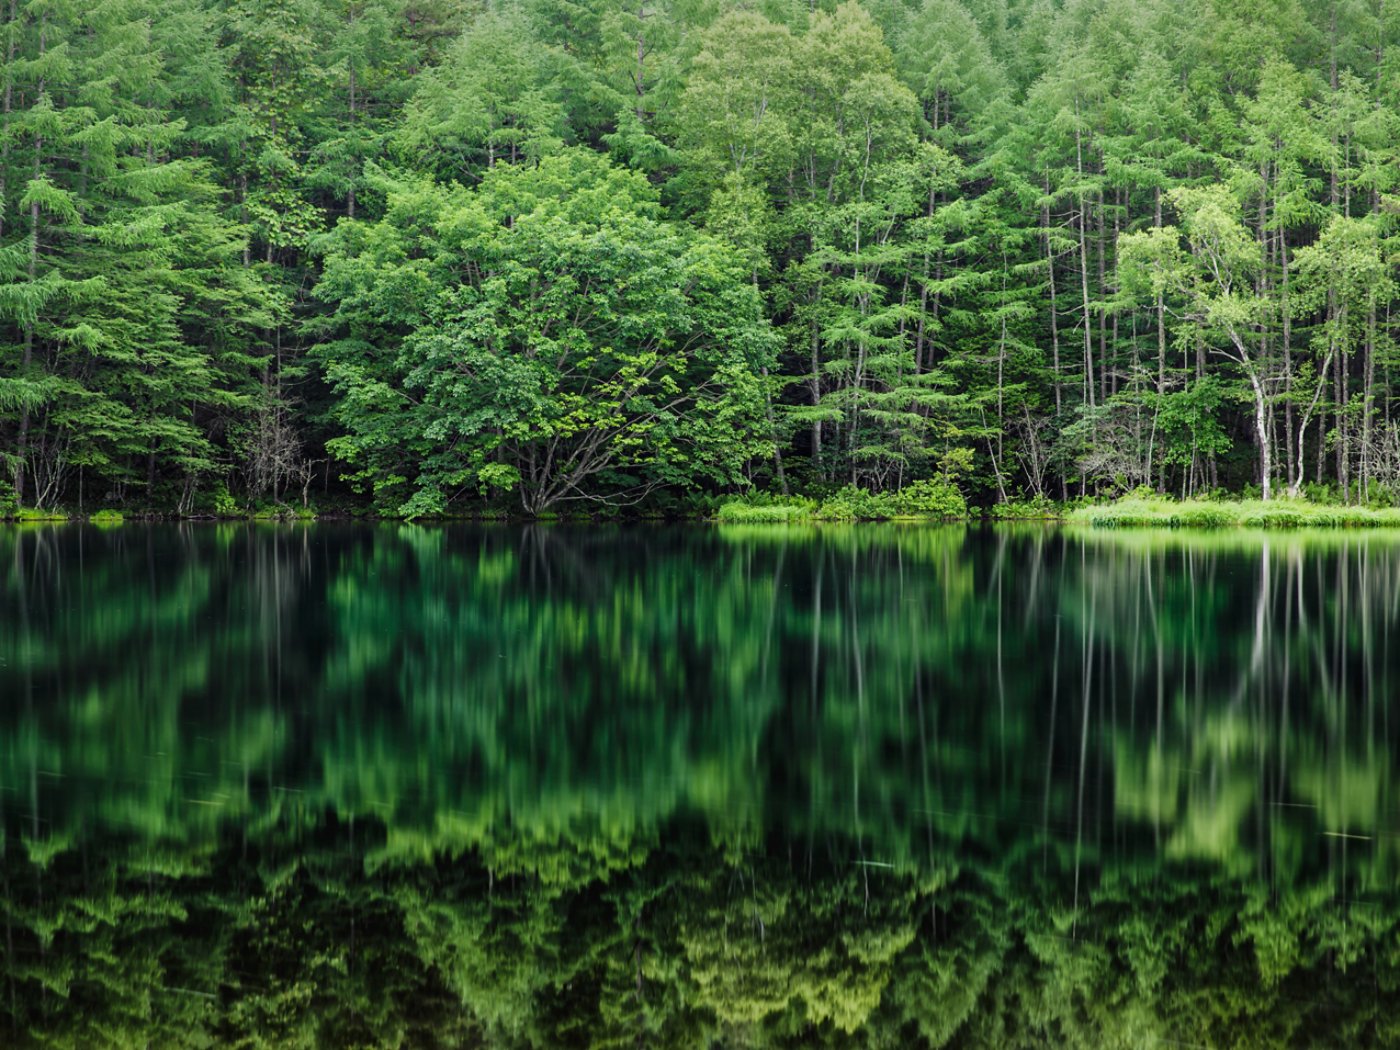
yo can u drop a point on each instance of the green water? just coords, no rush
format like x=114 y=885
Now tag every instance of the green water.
x=875 y=786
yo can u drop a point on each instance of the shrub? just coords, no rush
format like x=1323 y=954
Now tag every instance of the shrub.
x=1037 y=508
x=1145 y=494
x=1322 y=493
x=222 y=503
x=107 y=517
x=855 y=504
x=931 y=498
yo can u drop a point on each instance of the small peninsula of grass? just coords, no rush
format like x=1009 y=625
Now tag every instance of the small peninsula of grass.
x=739 y=512
x=1137 y=512
x=934 y=499
x=26 y=515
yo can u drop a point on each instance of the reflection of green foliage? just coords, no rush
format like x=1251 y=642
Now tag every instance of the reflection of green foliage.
x=824 y=785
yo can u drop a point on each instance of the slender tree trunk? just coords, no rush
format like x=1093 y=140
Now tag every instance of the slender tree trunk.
x=1161 y=343
x=1054 y=327
x=641 y=90
x=1261 y=427
x=350 y=194
x=1321 y=447
x=1001 y=380
x=27 y=357
x=1296 y=484
x=1105 y=370
x=773 y=429
x=1286 y=309
x=1054 y=310
x=1366 y=408
x=11 y=27
x=816 y=388
x=1339 y=395
x=1086 y=320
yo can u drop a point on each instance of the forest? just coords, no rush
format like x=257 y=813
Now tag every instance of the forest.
x=438 y=257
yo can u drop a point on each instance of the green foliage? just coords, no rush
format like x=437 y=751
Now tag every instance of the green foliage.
x=591 y=352
x=931 y=500
x=222 y=504
x=447 y=258
x=1038 y=508
x=936 y=498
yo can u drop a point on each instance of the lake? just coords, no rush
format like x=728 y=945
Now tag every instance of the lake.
x=554 y=786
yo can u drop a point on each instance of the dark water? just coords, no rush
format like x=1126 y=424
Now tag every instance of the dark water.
x=398 y=786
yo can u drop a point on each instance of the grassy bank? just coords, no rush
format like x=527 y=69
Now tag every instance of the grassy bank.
x=928 y=501
x=25 y=515
x=1255 y=514
x=932 y=500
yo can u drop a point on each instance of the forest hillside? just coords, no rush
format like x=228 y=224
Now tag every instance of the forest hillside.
x=431 y=256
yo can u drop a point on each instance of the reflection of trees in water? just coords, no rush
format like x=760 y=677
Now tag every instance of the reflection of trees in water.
x=1269 y=683
x=549 y=786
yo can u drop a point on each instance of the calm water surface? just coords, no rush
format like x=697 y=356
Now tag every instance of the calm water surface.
x=650 y=787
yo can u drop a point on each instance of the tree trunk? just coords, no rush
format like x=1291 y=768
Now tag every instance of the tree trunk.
x=27 y=357
x=1084 y=275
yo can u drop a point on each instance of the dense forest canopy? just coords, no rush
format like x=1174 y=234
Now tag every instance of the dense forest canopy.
x=436 y=255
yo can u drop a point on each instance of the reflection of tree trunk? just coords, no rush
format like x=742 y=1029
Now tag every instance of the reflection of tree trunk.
x=1086 y=689
x=1050 y=751
x=553 y=553
x=1295 y=576
x=859 y=738
x=1001 y=673
x=1161 y=694
x=1261 y=609
x=21 y=578
x=9 y=945
x=775 y=595
x=813 y=692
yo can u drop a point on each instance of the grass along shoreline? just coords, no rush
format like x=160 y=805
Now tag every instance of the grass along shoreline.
x=1137 y=512
x=931 y=501
x=1129 y=512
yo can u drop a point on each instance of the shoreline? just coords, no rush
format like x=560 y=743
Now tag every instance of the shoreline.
x=1152 y=514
